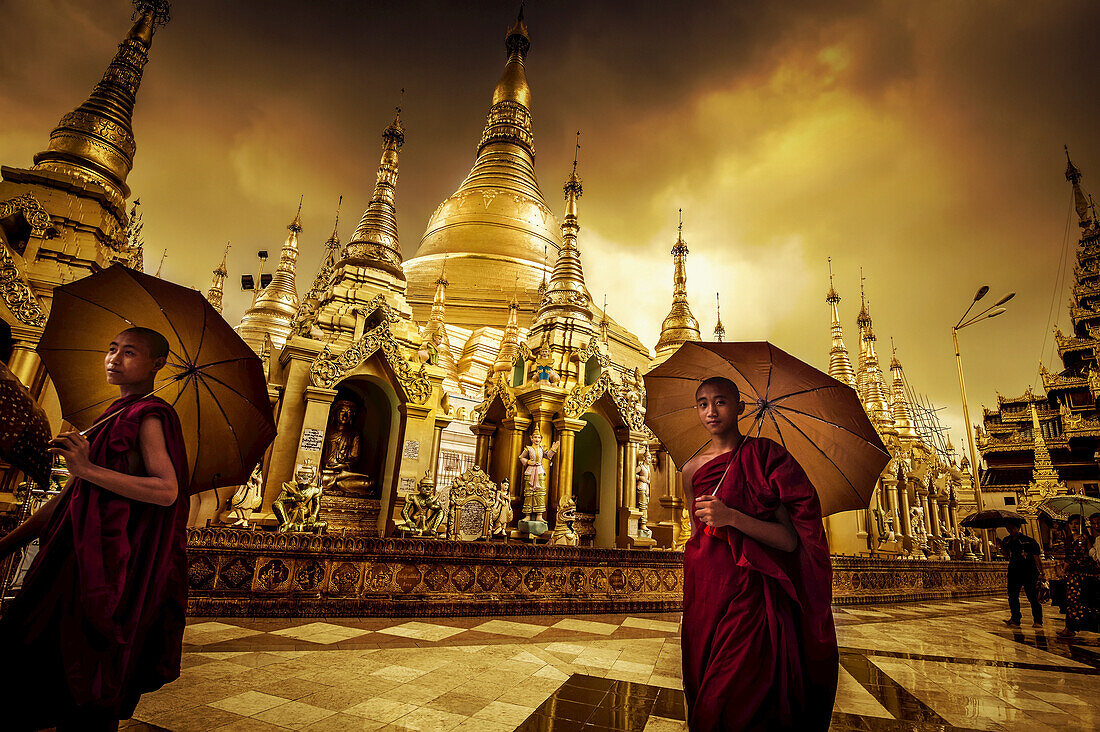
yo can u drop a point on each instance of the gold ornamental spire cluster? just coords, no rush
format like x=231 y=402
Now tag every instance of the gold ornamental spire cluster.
x=376 y=236
x=274 y=309
x=719 y=329
x=840 y=363
x=566 y=295
x=95 y=141
x=679 y=325
x=870 y=381
x=217 y=287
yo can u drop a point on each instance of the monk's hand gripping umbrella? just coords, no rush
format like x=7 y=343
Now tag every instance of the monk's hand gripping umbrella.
x=212 y=378
x=819 y=420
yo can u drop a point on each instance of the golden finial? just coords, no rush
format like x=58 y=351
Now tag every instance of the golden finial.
x=296 y=224
x=680 y=227
x=719 y=329
x=443 y=274
x=576 y=152
x=163 y=256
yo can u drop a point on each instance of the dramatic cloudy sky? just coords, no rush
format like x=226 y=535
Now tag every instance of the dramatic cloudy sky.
x=919 y=141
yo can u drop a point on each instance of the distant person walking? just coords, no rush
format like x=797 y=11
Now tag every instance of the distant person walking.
x=1025 y=571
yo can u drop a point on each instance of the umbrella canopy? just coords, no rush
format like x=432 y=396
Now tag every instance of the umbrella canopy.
x=993 y=518
x=213 y=379
x=818 y=419
x=1062 y=507
x=24 y=430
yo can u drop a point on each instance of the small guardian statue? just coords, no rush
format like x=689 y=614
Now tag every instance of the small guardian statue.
x=299 y=503
x=422 y=513
x=564 y=534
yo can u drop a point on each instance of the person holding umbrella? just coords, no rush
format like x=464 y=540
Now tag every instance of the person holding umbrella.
x=100 y=617
x=767 y=445
x=184 y=408
x=1025 y=571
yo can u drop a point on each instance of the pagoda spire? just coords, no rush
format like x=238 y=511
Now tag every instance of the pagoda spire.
x=1044 y=478
x=900 y=408
x=1085 y=219
x=215 y=293
x=435 y=331
x=509 y=344
x=376 y=236
x=870 y=375
x=679 y=325
x=95 y=141
x=719 y=329
x=566 y=294
x=275 y=308
x=329 y=259
x=840 y=363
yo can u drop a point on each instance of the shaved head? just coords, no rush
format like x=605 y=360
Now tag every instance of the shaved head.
x=722 y=383
x=154 y=341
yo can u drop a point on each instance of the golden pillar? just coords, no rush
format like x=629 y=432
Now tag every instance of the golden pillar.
x=512 y=442
x=483 y=433
x=903 y=509
x=441 y=422
x=563 y=463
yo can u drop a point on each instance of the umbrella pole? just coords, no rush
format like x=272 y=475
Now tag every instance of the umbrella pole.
x=173 y=380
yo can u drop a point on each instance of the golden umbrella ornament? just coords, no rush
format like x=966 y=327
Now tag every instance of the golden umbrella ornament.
x=212 y=378
x=818 y=419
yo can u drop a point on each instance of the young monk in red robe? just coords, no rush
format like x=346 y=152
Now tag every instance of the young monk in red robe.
x=100 y=617
x=758 y=642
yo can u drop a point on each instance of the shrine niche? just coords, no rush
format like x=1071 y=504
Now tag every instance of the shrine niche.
x=356 y=455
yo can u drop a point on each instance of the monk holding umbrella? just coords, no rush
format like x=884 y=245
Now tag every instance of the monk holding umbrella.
x=100 y=618
x=767 y=445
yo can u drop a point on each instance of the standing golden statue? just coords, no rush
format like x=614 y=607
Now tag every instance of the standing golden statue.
x=246 y=499
x=536 y=462
x=341 y=452
x=642 y=477
x=502 y=510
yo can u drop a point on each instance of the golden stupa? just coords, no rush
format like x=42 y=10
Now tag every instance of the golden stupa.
x=496 y=231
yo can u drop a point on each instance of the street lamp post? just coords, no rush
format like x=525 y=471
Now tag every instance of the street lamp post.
x=991 y=312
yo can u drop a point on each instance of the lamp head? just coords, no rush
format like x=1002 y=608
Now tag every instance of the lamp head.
x=981 y=292
x=1005 y=299
x=996 y=312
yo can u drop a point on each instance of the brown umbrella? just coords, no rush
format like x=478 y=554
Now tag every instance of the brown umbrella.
x=212 y=378
x=818 y=419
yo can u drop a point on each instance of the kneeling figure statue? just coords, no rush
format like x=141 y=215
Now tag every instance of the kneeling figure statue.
x=299 y=503
x=422 y=513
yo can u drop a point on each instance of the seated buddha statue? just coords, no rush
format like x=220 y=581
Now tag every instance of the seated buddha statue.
x=341 y=452
x=422 y=513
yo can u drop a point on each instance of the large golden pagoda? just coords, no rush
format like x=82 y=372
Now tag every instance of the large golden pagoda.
x=495 y=229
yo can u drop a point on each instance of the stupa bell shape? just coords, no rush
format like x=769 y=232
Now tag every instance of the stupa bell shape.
x=494 y=230
x=95 y=141
x=274 y=310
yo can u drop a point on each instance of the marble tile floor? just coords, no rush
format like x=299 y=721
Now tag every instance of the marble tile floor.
x=918 y=666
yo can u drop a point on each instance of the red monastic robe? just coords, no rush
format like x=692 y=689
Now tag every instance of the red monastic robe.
x=100 y=617
x=759 y=646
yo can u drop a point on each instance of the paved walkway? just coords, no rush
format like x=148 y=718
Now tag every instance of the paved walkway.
x=934 y=665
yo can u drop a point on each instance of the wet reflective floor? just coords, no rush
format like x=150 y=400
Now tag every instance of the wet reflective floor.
x=921 y=666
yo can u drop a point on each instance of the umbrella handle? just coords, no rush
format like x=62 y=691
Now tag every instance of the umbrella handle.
x=115 y=413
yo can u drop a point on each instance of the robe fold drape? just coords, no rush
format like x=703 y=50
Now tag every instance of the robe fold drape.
x=759 y=646
x=100 y=617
